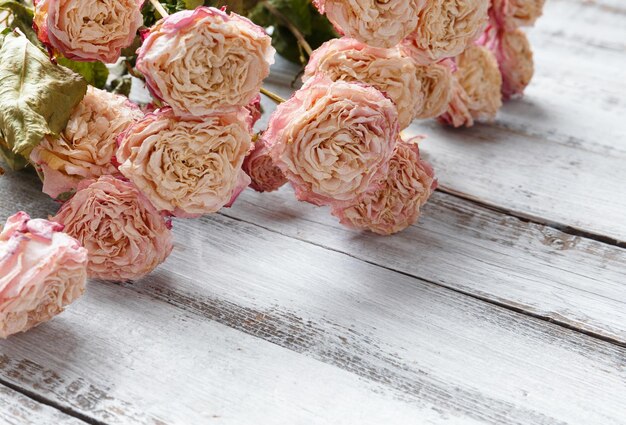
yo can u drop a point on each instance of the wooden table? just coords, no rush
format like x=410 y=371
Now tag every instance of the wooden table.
x=505 y=304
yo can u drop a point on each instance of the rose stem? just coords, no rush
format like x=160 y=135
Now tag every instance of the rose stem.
x=276 y=98
x=295 y=31
x=159 y=8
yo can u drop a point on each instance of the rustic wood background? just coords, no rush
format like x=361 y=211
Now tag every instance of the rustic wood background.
x=505 y=304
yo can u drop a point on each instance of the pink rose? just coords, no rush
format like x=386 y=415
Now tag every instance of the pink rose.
x=187 y=167
x=510 y=14
x=478 y=92
x=387 y=70
x=332 y=139
x=515 y=59
x=396 y=204
x=445 y=28
x=88 y=30
x=265 y=176
x=42 y=270
x=373 y=22
x=85 y=149
x=126 y=237
x=254 y=111
x=204 y=60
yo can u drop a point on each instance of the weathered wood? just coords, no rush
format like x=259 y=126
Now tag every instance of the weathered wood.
x=18 y=409
x=567 y=279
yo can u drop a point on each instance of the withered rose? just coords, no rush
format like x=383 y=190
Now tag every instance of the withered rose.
x=204 y=60
x=265 y=176
x=387 y=70
x=445 y=28
x=479 y=88
x=515 y=59
x=333 y=139
x=125 y=236
x=88 y=30
x=373 y=22
x=510 y=14
x=187 y=167
x=396 y=204
x=85 y=149
x=42 y=270
x=436 y=83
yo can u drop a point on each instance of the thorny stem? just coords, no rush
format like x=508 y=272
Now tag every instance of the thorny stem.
x=295 y=31
x=276 y=98
x=159 y=8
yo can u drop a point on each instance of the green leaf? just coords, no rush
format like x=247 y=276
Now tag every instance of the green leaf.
x=96 y=73
x=15 y=162
x=21 y=17
x=36 y=96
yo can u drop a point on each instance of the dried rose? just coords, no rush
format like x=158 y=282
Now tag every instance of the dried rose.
x=436 y=83
x=254 y=110
x=126 y=237
x=265 y=176
x=88 y=30
x=85 y=149
x=515 y=59
x=445 y=28
x=457 y=113
x=510 y=14
x=204 y=60
x=479 y=88
x=187 y=167
x=333 y=139
x=396 y=204
x=42 y=270
x=373 y=22
x=387 y=70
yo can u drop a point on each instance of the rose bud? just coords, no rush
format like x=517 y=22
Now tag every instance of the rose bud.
x=333 y=139
x=515 y=59
x=204 y=60
x=254 y=111
x=126 y=237
x=396 y=204
x=265 y=176
x=387 y=70
x=85 y=149
x=510 y=14
x=42 y=270
x=478 y=90
x=187 y=167
x=88 y=30
x=436 y=83
x=445 y=28
x=373 y=22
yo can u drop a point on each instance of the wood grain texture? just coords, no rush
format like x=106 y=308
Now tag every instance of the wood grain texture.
x=18 y=409
x=564 y=278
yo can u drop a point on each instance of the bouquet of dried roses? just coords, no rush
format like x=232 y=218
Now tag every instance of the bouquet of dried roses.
x=121 y=171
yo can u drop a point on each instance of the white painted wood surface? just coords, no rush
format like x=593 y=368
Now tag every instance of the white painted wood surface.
x=272 y=313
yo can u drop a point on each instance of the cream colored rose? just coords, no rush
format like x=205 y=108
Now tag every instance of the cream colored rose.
x=265 y=176
x=479 y=88
x=457 y=113
x=445 y=28
x=187 y=167
x=333 y=139
x=85 y=149
x=125 y=236
x=42 y=270
x=204 y=60
x=396 y=204
x=510 y=14
x=378 y=23
x=515 y=58
x=88 y=30
x=387 y=70
x=436 y=84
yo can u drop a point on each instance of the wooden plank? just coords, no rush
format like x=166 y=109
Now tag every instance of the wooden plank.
x=563 y=278
x=250 y=325
x=17 y=409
